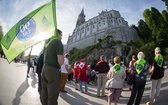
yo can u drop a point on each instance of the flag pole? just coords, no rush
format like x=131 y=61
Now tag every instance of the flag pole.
x=54 y=16
x=31 y=50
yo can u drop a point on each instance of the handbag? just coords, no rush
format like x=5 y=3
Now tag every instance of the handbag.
x=108 y=83
x=130 y=79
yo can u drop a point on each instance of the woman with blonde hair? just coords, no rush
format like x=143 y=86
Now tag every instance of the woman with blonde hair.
x=117 y=75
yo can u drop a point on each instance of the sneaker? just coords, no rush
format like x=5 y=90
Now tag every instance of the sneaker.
x=130 y=88
x=81 y=91
x=27 y=76
x=97 y=96
x=103 y=96
x=155 y=99
x=149 y=103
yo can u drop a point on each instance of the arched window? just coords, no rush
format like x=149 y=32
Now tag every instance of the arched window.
x=119 y=21
x=111 y=20
x=99 y=24
x=93 y=26
x=111 y=15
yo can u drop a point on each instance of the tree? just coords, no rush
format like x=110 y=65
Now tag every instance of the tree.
x=1 y=35
x=136 y=28
x=158 y=25
x=1 y=32
x=144 y=31
x=153 y=32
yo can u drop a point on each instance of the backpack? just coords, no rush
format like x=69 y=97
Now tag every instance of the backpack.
x=132 y=63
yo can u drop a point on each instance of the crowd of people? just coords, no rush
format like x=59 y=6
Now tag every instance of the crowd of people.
x=54 y=71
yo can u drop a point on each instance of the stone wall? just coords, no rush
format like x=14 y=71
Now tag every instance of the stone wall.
x=107 y=22
x=123 y=34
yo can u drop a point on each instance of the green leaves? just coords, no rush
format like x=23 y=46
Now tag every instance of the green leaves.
x=152 y=32
x=157 y=23
x=1 y=32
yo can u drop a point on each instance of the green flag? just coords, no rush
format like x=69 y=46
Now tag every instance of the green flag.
x=37 y=26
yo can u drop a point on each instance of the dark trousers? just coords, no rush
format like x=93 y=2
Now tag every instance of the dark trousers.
x=28 y=69
x=70 y=77
x=89 y=78
x=39 y=83
x=51 y=84
x=137 y=91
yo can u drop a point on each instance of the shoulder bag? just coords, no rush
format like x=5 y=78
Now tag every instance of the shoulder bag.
x=108 y=83
x=130 y=79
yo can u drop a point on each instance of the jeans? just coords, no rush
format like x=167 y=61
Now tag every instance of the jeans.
x=85 y=84
x=28 y=69
x=137 y=91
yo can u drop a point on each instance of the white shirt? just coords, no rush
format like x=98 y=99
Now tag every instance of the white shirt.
x=110 y=65
x=63 y=67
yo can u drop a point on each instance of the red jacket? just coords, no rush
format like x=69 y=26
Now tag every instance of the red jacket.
x=102 y=66
x=76 y=72
x=82 y=68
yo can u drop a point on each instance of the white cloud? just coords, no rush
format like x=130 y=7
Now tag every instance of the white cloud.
x=3 y=24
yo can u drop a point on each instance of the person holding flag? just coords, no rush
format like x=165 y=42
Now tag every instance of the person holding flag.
x=34 y=28
x=51 y=75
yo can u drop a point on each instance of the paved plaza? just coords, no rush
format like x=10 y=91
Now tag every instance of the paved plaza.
x=16 y=89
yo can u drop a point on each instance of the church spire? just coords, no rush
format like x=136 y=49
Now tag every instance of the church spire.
x=81 y=18
x=82 y=13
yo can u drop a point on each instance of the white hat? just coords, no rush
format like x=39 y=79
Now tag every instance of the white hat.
x=157 y=49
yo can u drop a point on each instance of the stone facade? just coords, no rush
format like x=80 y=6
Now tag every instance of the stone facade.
x=107 y=22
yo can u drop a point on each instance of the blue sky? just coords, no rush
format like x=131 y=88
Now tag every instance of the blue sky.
x=11 y=11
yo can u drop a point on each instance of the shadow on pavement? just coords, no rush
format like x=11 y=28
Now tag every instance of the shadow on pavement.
x=72 y=97
x=71 y=84
x=34 y=80
x=164 y=84
x=22 y=88
x=163 y=98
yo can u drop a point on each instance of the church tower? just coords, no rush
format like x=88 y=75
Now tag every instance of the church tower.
x=81 y=18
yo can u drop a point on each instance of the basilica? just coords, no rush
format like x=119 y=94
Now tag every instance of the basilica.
x=106 y=22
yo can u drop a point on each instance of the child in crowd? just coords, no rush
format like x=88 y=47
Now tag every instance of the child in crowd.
x=76 y=73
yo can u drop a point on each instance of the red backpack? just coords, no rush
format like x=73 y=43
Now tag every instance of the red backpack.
x=132 y=63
